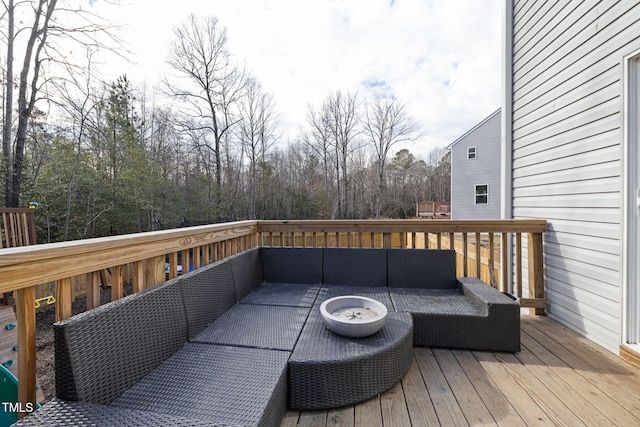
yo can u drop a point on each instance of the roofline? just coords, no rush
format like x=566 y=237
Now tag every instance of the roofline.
x=473 y=128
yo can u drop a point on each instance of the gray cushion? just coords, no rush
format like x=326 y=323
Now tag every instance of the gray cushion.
x=422 y=268
x=234 y=385
x=260 y=326
x=290 y=294
x=292 y=265
x=355 y=267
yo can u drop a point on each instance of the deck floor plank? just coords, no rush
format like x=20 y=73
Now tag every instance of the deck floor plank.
x=394 y=407
x=290 y=419
x=341 y=417
x=559 y=378
x=468 y=399
x=525 y=405
x=313 y=419
x=369 y=413
x=421 y=410
x=613 y=377
x=586 y=400
x=496 y=402
x=444 y=401
x=537 y=388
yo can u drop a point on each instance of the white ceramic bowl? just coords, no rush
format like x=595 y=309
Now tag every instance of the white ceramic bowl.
x=353 y=316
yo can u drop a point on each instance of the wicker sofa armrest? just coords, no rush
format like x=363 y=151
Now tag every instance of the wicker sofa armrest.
x=480 y=293
x=102 y=352
x=208 y=293
x=246 y=268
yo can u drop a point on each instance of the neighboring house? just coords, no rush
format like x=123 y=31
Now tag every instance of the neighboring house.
x=475 y=171
x=571 y=116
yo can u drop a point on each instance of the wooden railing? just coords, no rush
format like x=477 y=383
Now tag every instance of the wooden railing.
x=17 y=227
x=23 y=268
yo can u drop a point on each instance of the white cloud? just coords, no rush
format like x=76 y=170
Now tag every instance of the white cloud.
x=441 y=57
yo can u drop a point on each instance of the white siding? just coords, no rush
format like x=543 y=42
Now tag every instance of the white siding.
x=566 y=150
x=484 y=169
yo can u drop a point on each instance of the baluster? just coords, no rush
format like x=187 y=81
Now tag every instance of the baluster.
x=492 y=276
x=173 y=265
x=138 y=276
x=93 y=290
x=117 y=288
x=197 y=263
x=505 y=286
x=478 y=255
x=519 y=265
x=465 y=254
x=63 y=299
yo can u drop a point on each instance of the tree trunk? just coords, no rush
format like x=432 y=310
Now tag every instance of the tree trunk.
x=7 y=149
x=39 y=35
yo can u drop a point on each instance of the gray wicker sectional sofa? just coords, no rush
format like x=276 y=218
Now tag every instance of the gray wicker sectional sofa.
x=239 y=341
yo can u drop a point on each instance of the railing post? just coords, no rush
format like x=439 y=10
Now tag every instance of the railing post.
x=26 y=319
x=536 y=272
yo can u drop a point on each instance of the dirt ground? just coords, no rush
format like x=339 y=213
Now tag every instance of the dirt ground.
x=45 y=352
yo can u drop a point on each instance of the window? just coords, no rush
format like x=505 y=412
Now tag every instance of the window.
x=471 y=153
x=482 y=194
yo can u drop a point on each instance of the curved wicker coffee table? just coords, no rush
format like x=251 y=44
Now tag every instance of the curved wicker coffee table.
x=327 y=370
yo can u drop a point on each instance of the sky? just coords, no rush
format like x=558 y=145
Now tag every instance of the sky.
x=442 y=58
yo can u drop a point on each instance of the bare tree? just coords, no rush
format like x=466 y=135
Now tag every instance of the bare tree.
x=319 y=139
x=385 y=124
x=256 y=132
x=7 y=149
x=77 y=100
x=342 y=111
x=199 y=54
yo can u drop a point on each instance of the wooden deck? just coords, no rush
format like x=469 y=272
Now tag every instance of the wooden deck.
x=559 y=378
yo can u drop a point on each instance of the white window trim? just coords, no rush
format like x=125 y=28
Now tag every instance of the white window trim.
x=630 y=333
x=475 y=194
x=475 y=153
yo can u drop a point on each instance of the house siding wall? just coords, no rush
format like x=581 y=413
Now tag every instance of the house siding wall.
x=484 y=169
x=566 y=148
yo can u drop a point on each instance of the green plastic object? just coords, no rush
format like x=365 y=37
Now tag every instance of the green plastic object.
x=9 y=398
x=8 y=393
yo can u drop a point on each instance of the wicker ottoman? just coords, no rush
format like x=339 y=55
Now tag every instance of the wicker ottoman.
x=328 y=371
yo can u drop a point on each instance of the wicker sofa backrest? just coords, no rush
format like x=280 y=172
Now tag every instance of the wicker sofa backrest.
x=422 y=268
x=355 y=266
x=292 y=265
x=102 y=352
x=208 y=293
x=246 y=268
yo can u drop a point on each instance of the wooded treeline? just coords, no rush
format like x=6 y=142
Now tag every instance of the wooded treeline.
x=206 y=146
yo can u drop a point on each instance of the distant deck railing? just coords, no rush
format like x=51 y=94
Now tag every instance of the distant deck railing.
x=482 y=246
x=17 y=227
